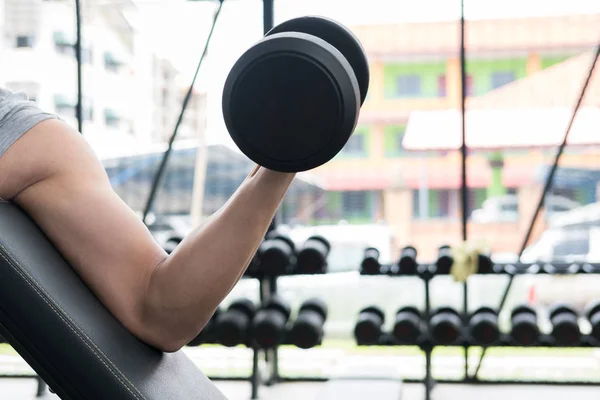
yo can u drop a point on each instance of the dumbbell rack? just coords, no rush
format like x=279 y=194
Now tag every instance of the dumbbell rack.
x=427 y=272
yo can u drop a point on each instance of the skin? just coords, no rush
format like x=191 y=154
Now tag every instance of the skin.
x=165 y=300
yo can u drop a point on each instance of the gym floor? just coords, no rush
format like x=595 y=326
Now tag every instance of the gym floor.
x=24 y=389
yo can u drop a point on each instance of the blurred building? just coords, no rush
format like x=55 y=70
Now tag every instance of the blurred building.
x=131 y=95
x=415 y=77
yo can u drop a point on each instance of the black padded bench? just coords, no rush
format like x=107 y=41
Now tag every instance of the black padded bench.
x=69 y=338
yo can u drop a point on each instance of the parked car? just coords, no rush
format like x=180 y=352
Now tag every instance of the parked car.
x=506 y=208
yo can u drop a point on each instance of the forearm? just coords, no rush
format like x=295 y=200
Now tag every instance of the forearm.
x=186 y=287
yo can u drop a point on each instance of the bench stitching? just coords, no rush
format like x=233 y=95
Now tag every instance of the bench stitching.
x=53 y=305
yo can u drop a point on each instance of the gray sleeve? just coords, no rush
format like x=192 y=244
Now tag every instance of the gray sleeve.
x=17 y=116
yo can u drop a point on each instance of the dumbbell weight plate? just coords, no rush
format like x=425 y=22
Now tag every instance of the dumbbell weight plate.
x=291 y=102
x=339 y=37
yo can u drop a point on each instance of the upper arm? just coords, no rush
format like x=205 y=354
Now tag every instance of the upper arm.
x=55 y=177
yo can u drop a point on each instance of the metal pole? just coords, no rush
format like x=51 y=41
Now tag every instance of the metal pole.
x=547 y=186
x=268 y=12
x=464 y=154
x=163 y=164
x=79 y=107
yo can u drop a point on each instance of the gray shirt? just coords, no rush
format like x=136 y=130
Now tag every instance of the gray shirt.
x=17 y=116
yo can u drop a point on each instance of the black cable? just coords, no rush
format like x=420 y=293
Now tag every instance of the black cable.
x=547 y=185
x=161 y=169
x=79 y=107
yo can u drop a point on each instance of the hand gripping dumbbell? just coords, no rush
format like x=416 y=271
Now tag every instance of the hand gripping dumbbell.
x=312 y=256
x=369 y=325
x=268 y=327
x=207 y=335
x=444 y=326
x=276 y=255
x=292 y=101
x=232 y=326
x=592 y=313
x=483 y=326
x=307 y=331
x=409 y=326
x=370 y=264
x=565 y=325
x=524 y=325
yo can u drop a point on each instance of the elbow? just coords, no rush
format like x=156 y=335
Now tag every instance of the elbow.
x=168 y=335
x=167 y=342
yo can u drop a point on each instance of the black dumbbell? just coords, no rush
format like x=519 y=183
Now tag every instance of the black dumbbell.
x=565 y=325
x=444 y=326
x=171 y=244
x=292 y=101
x=207 y=334
x=407 y=264
x=307 y=331
x=232 y=326
x=592 y=313
x=445 y=260
x=253 y=270
x=408 y=327
x=524 y=325
x=370 y=264
x=483 y=326
x=268 y=326
x=276 y=255
x=368 y=328
x=484 y=264
x=312 y=256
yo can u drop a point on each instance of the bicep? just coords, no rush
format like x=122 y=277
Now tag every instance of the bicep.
x=74 y=204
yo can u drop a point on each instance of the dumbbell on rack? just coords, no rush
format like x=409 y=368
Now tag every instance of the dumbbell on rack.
x=370 y=264
x=307 y=330
x=483 y=326
x=208 y=334
x=445 y=260
x=269 y=324
x=407 y=263
x=592 y=313
x=232 y=326
x=445 y=326
x=368 y=328
x=524 y=326
x=565 y=325
x=312 y=256
x=409 y=326
x=276 y=255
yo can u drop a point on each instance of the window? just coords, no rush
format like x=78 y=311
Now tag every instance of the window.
x=356 y=145
x=501 y=78
x=442 y=86
x=469 y=84
x=111 y=118
x=88 y=112
x=354 y=203
x=24 y=41
x=111 y=63
x=393 y=140
x=165 y=97
x=408 y=86
x=87 y=55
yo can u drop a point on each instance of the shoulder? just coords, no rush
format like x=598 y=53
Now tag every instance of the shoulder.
x=17 y=116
